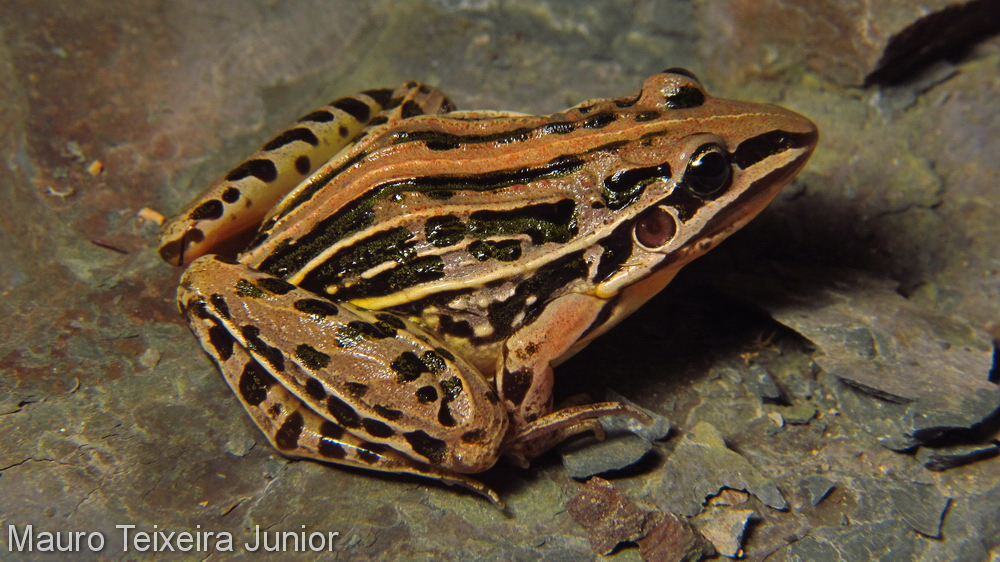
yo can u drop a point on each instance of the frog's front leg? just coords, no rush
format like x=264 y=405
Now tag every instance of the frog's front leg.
x=525 y=379
x=341 y=384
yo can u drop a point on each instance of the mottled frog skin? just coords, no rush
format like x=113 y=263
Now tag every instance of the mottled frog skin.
x=410 y=274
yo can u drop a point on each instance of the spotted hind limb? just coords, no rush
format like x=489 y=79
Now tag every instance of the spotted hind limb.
x=237 y=203
x=297 y=431
x=340 y=384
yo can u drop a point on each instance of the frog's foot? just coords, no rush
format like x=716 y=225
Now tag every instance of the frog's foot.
x=530 y=440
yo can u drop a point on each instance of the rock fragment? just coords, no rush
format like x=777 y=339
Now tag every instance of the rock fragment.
x=818 y=488
x=701 y=465
x=609 y=516
x=625 y=443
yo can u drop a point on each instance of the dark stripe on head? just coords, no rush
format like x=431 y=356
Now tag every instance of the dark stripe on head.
x=356 y=109
x=209 y=210
x=684 y=202
x=624 y=187
x=755 y=149
x=262 y=169
x=287 y=436
x=288 y=137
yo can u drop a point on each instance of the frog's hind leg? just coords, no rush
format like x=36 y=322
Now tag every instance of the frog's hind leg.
x=291 y=426
x=235 y=205
x=340 y=384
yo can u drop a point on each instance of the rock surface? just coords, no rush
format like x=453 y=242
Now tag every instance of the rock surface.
x=112 y=415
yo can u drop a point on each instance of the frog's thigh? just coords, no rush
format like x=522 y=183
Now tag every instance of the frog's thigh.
x=525 y=374
x=296 y=431
x=290 y=424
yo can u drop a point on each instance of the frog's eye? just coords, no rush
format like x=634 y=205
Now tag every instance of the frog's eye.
x=654 y=228
x=709 y=172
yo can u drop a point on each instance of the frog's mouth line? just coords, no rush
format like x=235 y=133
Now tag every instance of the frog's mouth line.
x=725 y=222
x=756 y=196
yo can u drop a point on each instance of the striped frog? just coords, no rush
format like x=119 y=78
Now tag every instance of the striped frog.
x=410 y=274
